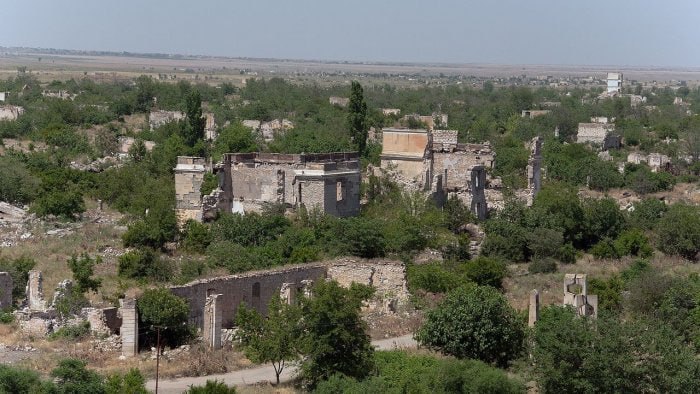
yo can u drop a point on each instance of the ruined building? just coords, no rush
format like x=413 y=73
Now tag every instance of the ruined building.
x=329 y=182
x=434 y=162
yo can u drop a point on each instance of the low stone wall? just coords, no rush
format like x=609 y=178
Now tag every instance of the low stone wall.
x=255 y=289
x=386 y=276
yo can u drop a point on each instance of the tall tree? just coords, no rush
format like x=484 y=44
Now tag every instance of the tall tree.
x=357 y=117
x=193 y=129
x=272 y=340
x=334 y=336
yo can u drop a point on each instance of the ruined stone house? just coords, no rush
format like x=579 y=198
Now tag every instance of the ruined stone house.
x=159 y=118
x=329 y=182
x=434 y=162
x=210 y=133
x=60 y=94
x=10 y=112
x=533 y=113
x=339 y=101
x=436 y=120
x=599 y=134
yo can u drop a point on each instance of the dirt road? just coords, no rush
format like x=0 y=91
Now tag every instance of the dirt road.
x=262 y=373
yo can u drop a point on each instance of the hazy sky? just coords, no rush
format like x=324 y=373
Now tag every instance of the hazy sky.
x=596 y=32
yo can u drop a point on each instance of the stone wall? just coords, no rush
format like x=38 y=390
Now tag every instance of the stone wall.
x=593 y=132
x=386 y=276
x=5 y=290
x=35 y=292
x=10 y=112
x=445 y=140
x=255 y=289
x=189 y=176
x=159 y=118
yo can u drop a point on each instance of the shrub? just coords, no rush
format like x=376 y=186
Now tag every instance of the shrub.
x=6 y=317
x=567 y=254
x=679 y=231
x=196 y=236
x=159 y=227
x=82 y=269
x=142 y=263
x=212 y=387
x=61 y=203
x=633 y=243
x=20 y=380
x=604 y=249
x=17 y=184
x=474 y=322
x=72 y=332
x=161 y=308
x=432 y=277
x=541 y=266
x=485 y=271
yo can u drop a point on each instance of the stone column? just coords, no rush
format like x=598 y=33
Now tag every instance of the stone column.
x=5 y=290
x=287 y=293
x=130 y=328
x=534 y=313
x=212 y=321
x=35 y=291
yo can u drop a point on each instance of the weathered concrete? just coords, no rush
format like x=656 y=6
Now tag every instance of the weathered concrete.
x=5 y=290
x=212 y=321
x=255 y=289
x=35 y=292
x=159 y=118
x=189 y=177
x=534 y=311
x=594 y=133
x=576 y=295
x=130 y=327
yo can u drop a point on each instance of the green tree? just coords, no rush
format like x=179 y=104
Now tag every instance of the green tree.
x=335 y=338
x=18 y=380
x=679 y=231
x=74 y=378
x=83 y=268
x=273 y=339
x=485 y=271
x=159 y=308
x=193 y=129
x=357 y=117
x=131 y=382
x=474 y=322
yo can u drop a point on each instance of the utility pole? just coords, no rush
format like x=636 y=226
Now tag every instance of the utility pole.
x=157 y=355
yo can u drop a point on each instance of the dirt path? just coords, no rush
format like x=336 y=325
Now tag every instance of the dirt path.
x=262 y=373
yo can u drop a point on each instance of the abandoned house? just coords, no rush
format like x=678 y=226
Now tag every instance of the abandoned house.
x=434 y=162
x=329 y=182
x=159 y=118
x=339 y=101
x=614 y=83
x=599 y=134
x=10 y=112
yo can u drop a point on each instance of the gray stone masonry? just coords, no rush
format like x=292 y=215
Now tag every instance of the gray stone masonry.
x=130 y=328
x=5 y=290
x=534 y=312
x=212 y=321
x=35 y=292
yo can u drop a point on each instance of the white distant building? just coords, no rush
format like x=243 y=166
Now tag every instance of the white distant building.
x=614 y=83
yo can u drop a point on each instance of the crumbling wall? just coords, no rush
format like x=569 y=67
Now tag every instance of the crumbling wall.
x=593 y=132
x=189 y=176
x=534 y=169
x=103 y=321
x=386 y=276
x=10 y=112
x=477 y=185
x=159 y=118
x=445 y=140
x=5 y=290
x=255 y=289
x=35 y=292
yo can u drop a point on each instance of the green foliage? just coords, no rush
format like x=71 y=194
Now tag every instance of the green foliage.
x=210 y=183
x=679 y=231
x=144 y=263
x=357 y=117
x=574 y=355
x=193 y=128
x=72 y=377
x=196 y=236
x=66 y=204
x=234 y=138
x=640 y=179
x=605 y=249
x=485 y=271
x=603 y=219
x=457 y=214
x=399 y=372
x=363 y=237
x=212 y=387
x=17 y=184
x=6 y=317
x=21 y=381
x=273 y=339
x=646 y=213
x=511 y=163
x=542 y=266
x=557 y=206
x=72 y=332
x=609 y=292
x=19 y=272
x=131 y=382
x=334 y=336
x=474 y=322
x=253 y=229
x=431 y=277
x=161 y=308
x=158 y=227
x=633 y=242
x=83 y=268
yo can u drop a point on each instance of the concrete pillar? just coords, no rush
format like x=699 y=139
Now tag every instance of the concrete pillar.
x=287 y=293
x=35 y=291
x=5 y=290
x=306 y=287
x=212 y=321
x=130 y=328
x=534 y=313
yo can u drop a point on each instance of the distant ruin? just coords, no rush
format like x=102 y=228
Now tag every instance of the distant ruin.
x=329 y=182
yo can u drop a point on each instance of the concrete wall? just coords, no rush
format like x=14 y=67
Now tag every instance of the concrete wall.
x=405 y=143
x=189 y=176
x=593 y=132
x=5 y=290
x=255 y=289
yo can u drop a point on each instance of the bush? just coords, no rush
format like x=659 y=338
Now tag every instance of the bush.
x=60 y=203
x=679 y=231
x=72 y=332
x=542 y=266
x=161 y=308
x=212 y=387
x=82 y=269
x=604 y=249
x=6 y=317
x=432 y=278
x=633 y=243
x=17 y=184
x=196 y=236
x=485 y=271
x=144 y=263
x=567 y=254
x=19 y=380
x=159 y=227
x=474 y=322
